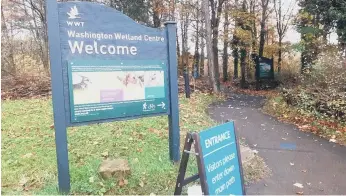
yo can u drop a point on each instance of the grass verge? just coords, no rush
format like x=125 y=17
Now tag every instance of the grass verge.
x=333 y=130
x=29 y=158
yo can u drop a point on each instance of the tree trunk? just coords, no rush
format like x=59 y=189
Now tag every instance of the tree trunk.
x=280 y=54
x=215 y=25
x=236 y=61
x=254 y=27
x=235 y=44
x=156 y=14
x=243 y=66
x=225 y=45
x=263 y=27
x=202 y=71
x=178 y=48
x=7 y=47
x=196 y=56
x=182 y=45
x=210 y=54
x=262 y=39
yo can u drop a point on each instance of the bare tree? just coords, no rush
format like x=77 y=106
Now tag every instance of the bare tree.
x=202 y=42
x=197 y=37
x=212 y=68
x=235 y=40
x=216 y=12
x=253 y=4
x=225 y=42
x=7 y=48
x=185 y=21
x=265 y=13
x=34 y=20
x=282 y=21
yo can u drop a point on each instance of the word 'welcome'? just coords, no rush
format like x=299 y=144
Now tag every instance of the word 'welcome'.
x=80 y=48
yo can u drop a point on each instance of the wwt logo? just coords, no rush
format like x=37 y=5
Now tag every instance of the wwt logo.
x=74 y=14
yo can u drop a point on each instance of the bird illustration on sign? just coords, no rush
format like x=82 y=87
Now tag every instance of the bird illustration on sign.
x=73 y=14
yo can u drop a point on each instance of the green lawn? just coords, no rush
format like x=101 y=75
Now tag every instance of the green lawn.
x=29 y=158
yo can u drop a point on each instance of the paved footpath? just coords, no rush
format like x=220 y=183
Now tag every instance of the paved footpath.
x=292 y=155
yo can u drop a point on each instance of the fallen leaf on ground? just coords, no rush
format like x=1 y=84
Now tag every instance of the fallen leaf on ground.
x=304 y=127
x=104 y=154
x=121 y=183
x=298 y=185
x=28 y=155
x=23 y=181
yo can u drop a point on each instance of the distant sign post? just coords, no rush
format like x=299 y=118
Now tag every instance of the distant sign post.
x=106 y=67
x=264 y=68
x=218 y=159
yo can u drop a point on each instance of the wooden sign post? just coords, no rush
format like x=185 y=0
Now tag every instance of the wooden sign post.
x=218 y=159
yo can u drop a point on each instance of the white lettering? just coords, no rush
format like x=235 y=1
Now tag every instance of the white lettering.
x=133 y=50
x=89 y=49
x=95 y=48
x=111 y=50
x=122 y=48
x=217 y=139
x=101 y=49
x=214 y=166
x=76 y=45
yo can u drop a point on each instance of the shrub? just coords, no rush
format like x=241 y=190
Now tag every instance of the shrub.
x=322 y=91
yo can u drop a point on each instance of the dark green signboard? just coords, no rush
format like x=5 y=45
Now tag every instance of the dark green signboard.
x=102 y=89
x=265 y=68
x=106 y=67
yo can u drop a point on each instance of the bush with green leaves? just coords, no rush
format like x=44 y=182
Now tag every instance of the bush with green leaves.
x=322 y=91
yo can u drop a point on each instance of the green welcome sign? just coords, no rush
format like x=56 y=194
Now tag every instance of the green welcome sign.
x=106 y=67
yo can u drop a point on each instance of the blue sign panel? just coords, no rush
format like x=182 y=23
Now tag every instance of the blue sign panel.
x=221 y=160
x=112 y=66
x=106 y=67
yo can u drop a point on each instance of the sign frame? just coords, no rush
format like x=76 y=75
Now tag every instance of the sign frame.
x=58 y=98
x=194 y=139
x=270 y=61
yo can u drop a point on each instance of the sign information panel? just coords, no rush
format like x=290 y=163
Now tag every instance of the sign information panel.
x=101 y=89
x=266 y=68
x=107 y=67
x=221 y=160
